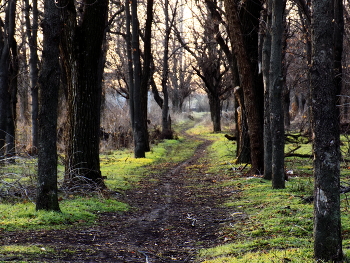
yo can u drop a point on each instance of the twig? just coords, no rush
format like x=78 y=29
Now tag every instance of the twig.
x=145 y=254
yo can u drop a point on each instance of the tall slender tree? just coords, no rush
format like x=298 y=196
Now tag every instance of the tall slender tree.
x=7 y=40
x=138 y=125
x=49 y=82
x=166 y=120
x=12 y=112
x=31 y=23
x=265 y=57
x=325 y=128
x=147 y=73
x=275 y=95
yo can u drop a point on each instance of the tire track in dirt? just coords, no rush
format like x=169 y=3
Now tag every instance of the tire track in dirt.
x=174 y=215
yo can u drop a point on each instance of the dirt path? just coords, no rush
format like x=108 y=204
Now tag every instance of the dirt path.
x=174 y=215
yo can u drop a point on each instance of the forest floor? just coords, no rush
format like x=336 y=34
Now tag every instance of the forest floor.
x=173 y=216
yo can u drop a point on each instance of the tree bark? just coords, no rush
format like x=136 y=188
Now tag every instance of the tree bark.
x=215 y=110
x=166 y=124
x=147 y=73
x=32 y=33
x=139 y=136
x=6 y=42
x=276 y=91
x=49 y=82
x=130 y=62
x=243 y=143
x=325 y=127
x=245 y=46
x=266 y=54
x=81 y=51
x=12 y=112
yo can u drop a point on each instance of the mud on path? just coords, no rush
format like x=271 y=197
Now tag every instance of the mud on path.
x=173 y=216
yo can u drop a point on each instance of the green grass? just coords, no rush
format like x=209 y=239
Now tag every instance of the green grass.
x=122 y=170
x=268 y=225
x=12 y=252
x=75 y=210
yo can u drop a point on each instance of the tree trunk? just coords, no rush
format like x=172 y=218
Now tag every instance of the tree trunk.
x=245 y=50
x=325 y=127
x=139 y=136
x=12 y=112
x=166 y=129
x=147 y=73
x=32 y=29
x=215 y=111
x=49 y=82
x=6 y=42
x=276 y=91
x=266 y=54
x=81 y=50
x=130 y=62
x=243 y=143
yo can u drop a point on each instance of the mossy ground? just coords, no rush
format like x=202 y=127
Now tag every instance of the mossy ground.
x=264 y=225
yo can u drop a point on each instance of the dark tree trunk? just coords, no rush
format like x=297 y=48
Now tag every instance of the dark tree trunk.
x=130 y=62
x=276 y=91
x=49 y=82
x=325 y=126
x=215 y=111
x=12 y=112
x=32 y=29
x=243 y=144
x=6 y=42
x=81 y=51
x=147 y=74
x=166 y=127
x=139 y=136
x=266 y=54
x=244 y=37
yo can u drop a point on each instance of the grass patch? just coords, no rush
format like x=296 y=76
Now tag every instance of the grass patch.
x=263 y=256
x=122 y=170
x=268 y=225
x=20 y=253
x=76 y=210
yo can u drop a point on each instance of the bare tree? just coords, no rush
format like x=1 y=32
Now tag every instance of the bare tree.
x=166 y=120
x=49 y=82
x=210 y=66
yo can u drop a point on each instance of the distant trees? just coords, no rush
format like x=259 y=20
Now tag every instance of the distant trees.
x=210 y=66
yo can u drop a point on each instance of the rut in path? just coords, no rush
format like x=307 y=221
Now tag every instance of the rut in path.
x=174 y=215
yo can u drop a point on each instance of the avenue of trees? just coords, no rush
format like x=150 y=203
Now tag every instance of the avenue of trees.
x=276 y=61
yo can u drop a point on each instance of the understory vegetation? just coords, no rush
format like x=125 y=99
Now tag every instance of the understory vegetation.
x=264 y=224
